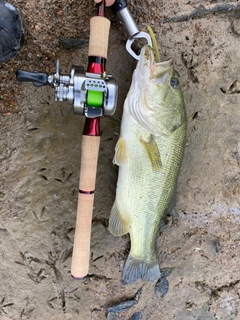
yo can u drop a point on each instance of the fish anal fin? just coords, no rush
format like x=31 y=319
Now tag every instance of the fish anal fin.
x=120 y=152
x=153 y=152
x=117 y=226
x=135 y=269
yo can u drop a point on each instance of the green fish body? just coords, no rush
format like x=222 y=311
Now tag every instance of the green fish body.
x=149 y=153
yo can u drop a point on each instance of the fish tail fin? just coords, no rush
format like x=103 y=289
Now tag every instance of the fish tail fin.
x=135 y=269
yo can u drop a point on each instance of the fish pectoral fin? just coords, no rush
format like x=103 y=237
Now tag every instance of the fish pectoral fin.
x=117 y=227
x=120 y=152
x=153 y=153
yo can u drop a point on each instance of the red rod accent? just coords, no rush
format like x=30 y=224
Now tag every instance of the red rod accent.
x=92 y=127
x=95 y=67
x=100 y=11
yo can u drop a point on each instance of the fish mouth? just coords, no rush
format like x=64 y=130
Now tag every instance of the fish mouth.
x=147 y=55
x=156 y=70
x=153 y=55
x=160 y=71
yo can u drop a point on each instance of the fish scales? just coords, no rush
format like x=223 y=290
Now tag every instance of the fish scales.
x=149 y=154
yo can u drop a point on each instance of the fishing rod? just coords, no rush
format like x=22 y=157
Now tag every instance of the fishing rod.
x=97 y=56
x=92 y=93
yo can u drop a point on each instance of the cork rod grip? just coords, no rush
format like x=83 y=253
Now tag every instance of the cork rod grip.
x=99 y=32
x=81 y=246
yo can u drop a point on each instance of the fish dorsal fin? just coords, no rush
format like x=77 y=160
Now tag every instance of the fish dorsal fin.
x=153 y=153
x=120 y=152
x=117 y=227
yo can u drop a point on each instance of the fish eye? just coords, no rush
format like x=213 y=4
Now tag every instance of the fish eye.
x=174 y=83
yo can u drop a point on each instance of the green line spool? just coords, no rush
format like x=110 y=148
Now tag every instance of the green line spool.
x=95 y=98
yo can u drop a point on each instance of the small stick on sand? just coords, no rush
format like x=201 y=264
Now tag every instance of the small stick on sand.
x=202 y=11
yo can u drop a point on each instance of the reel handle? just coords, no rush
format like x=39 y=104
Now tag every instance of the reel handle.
x=37 y=78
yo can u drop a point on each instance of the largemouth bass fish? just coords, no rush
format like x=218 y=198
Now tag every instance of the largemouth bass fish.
x=149 y=154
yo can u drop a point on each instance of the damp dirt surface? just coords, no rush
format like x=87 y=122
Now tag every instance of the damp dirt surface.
x=40 y=149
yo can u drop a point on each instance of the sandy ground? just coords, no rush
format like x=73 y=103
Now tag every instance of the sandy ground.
x=40 y=145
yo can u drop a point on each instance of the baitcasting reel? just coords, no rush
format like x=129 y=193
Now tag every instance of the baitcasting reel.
x=83 y=90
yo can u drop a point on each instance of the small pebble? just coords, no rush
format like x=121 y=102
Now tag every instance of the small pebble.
x=161 y=287
x=112 y=316
x=122 y=306
x=136 y=316
x=125 y=305
x=218 y=246
x=72 y=43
